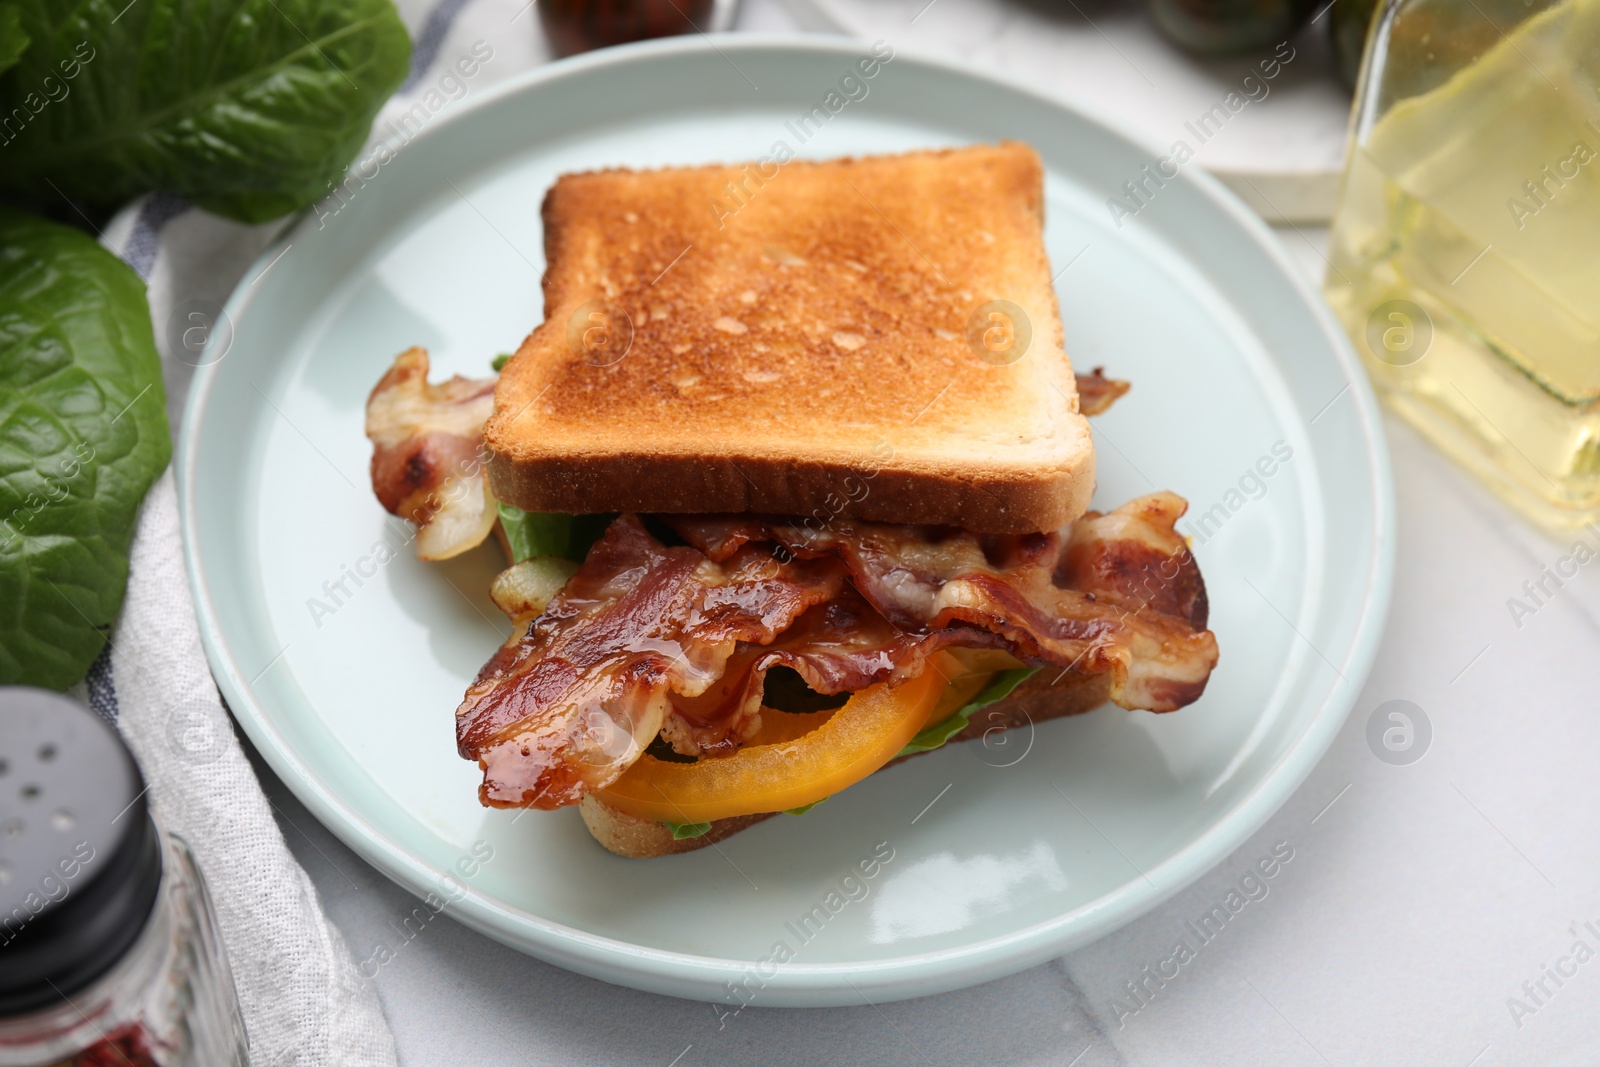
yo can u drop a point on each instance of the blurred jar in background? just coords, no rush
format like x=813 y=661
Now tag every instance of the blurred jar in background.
x=1228 y=27
x=1465 y=250
x=108 y=949
x=575 y=26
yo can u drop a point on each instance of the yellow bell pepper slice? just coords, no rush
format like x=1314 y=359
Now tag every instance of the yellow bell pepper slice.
x=780 y=726
x=850 y=744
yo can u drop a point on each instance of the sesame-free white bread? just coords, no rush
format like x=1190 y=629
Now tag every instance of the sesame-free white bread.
x=805 y=338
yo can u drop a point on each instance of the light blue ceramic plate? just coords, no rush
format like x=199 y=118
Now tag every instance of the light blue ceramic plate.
x=1001 y=856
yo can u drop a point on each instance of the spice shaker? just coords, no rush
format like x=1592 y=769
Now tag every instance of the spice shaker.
x=108 y=945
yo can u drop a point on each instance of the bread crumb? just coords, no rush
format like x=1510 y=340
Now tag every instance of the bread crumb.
x=945 y=335
x=679 y=350
x=857 y=267
x=632 y=216
x=848 y=341
x=731 y=325
x=658 y=313
x=759 y=347
x=748 y=296
x=761 y=377
x=684 y=383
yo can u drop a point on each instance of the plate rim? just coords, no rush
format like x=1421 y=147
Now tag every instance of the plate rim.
x=702 y=977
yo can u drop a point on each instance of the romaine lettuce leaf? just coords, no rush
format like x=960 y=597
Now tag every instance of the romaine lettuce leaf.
x=249 y=108
x=683 y=830
x=83 y=434
x=534 y=533
x=999 y=687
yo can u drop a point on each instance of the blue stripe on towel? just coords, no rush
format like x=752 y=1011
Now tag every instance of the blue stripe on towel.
x=102 y=692
x=426 y=48
x=145 y=242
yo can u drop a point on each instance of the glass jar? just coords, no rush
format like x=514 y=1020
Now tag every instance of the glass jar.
x=109 y=953
x=1465 y=250
x=573 y=26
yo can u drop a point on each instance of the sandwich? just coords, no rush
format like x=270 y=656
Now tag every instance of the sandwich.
x=794 y=482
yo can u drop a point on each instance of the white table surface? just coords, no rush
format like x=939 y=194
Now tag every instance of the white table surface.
x=1420 y=897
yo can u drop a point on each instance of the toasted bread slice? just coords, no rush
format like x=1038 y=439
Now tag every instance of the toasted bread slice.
x=873 y=337
x=1046 y=695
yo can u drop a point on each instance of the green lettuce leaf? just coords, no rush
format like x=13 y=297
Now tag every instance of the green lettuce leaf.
x=684 y=830
x=83 y=434
x=249 y=108
x=534 y=533
x=999 y=687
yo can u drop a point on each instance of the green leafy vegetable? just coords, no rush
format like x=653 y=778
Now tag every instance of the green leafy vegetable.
x=83 y=434
x=999 y=687
x=802 y=809
x=534 y=533
x=250 y=108
x=499 y=362
x=684 y=830
x=13 y=38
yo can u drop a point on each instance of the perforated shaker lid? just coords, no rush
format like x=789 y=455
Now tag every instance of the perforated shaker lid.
x=80 y=861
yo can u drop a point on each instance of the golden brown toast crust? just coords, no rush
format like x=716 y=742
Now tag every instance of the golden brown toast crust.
x=798 y=345
x=1049 y=694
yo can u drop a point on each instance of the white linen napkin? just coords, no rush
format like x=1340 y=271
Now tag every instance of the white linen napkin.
x=304 y=1003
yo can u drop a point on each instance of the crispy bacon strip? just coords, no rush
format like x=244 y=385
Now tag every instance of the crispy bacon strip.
x=566 y=707
x=1096 y=392
x=1124 y=598
x=646 y=635
x=426 y=462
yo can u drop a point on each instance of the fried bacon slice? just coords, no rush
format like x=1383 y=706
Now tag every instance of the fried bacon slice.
x=427 y=464
x=1096 y=392
x=1045 y=604
x=648 y=636
x=565 y=707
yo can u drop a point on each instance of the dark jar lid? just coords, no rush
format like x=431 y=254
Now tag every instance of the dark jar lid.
x=80 y=860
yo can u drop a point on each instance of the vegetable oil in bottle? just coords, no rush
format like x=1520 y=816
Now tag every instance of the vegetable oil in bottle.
x=1465 y=251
